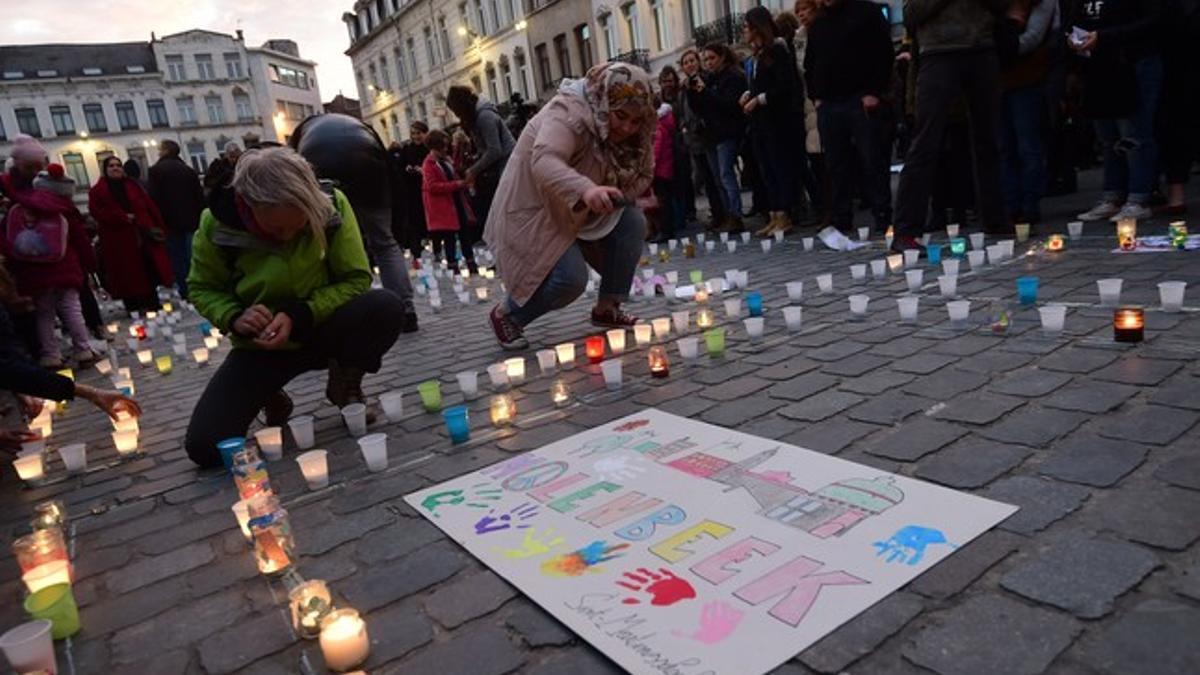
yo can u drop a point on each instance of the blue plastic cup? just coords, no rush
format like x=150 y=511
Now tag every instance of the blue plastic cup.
x=205 y=327
x=934 y=253
x=230 y=447
x=1027 y=289
x=754 y=303
x=457 y=423
x=958 y=247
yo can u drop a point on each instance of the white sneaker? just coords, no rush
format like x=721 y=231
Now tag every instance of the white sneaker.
x=1100 y=211
x=1131 y=210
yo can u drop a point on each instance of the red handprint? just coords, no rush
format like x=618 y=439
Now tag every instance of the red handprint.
x=663 y=586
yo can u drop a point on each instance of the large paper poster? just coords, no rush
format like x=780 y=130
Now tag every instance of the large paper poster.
x=681 y=548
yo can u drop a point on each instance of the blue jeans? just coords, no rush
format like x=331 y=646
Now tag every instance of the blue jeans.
x=179 y=252
x=615 y=256
x=1023 y=149
x=1130 y=153
x=722 y=161
x=376 y=227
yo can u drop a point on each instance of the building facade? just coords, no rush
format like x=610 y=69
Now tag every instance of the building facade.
x=285 y=85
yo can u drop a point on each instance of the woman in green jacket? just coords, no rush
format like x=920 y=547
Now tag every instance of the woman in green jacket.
x=278 y=263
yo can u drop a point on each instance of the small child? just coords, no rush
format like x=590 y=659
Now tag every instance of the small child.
x=447 y=210
x=670 y=205
x=49 y=253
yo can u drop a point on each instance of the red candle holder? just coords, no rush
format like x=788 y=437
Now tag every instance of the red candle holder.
x=1129 y=324
x=594 y=347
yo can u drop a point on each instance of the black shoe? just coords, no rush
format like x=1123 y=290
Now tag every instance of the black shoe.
x=408 y=322
x=345 y=387
x=278 y=409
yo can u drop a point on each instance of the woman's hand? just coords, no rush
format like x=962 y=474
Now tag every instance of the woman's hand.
x=111 y=402
x=750 y=104
x=31 y=405
x=253 y=321
x=277 y=332
x=600 y=198
x=1086 y=43
x=11 y=439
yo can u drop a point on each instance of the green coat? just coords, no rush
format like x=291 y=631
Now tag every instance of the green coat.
x=232 y=269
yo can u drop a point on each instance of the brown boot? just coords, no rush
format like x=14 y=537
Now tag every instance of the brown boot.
x=772 y=223
x=345 y=387
x=783 y=224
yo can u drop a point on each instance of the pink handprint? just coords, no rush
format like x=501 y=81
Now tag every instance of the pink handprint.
x=717 y=621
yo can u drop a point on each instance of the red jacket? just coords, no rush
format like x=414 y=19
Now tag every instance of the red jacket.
x=664 y=146
x=438 y=193
x=36 y=278
x=127 y=249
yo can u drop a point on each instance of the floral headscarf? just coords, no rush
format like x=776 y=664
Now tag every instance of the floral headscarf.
x=608 y=86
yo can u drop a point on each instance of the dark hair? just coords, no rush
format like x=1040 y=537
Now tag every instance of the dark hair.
x=724 y=51
x=168 y=148
x=758 y=19
x=788 y=25
x=668 y=70
x=461 y=101
x=104 y=164
x=437 y=140
x=419 y=126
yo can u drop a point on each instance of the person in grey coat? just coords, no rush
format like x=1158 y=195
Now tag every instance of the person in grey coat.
x=493 y=144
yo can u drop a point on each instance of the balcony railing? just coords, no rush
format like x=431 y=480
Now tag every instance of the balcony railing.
x=727 y=29
x=637 y=57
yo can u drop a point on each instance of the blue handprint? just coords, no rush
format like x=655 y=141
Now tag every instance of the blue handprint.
x=909 y=543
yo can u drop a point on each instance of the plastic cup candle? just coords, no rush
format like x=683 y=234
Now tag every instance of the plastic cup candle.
x=42 y=557
x=934 y=253
x=948 y=285
x=662 y=328
x=889 y=235
x=468 y=384
x=795 y=290
x=302 y=431
x=374 y=451
x=1027 y=290
x=1075 y=229
x=458 y=423
x=212 y=342
x=701 y=295
x=808 y=243
x=952 y=230
x=594 y=347
x=43 y=424
x=958 y=310
x=515 y=369
x=55 y=604
x=180 y=350
x=754 y=327
x=766 y=245
x=1129 y=324
x=792 y=318
x=431 y=394
x=858 y=305
x=125 y=441
x=907 y=307
x=241 y=512
x=270 y=442
x=714 y=340
x=950 y=266
x=878 y=268
x=1055 y=243
x=1053 y=318
x=925 y=239
x=778 y=237
x=1110 y=291
x=566 y=355
x=995 y=254
x=731 y=246
x=74 y=456
x=310 y=603
x=104 y=366
x=481 y=293
x=29 y=648
x=680 y=321
x=660 y=366
x=200 y=355
x=977 y=241
x=895 y=262
x=355 y=417
x=112 y=328
x=864 y=233
x=1022 y=230
x=710 y=246
x=696 y=277
x=858 y=272
x=914 y=278
x=745 y=237
x=344 y=640
x=314 y=464
x=30 y=467
x=36 y=446
x=145 y=357
x=754 y=304
x=825 y=283
x=611 y=370
x=689 y=347
x=502 y=409
x=1127 y=234
x=1170 y=294
x=976 y=259
x=1006 y=248
x=163 y=363
x=733 y=308
x=546 y=361
x=911 y=257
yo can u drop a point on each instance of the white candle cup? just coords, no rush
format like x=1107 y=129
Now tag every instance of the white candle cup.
x=976 y=241
x=515 y=369
x=795 y=290
x=672 y=244
x=731 y=246
x=808 y=243
x=731 y=278
x=879 y=268
x=30 y=467
x=180 y=350
x=792 y=318
x=914 y=278
x=1110 y=291
x=952 y=230
x=546 y=361
x=301 y=427
x=1022 y=231
x=733 y=308
x=976 y=259
x=611 y=369
x=1053 y=318
x=948 y=285
x=643 y=333
x=179 y=338
x=995 y=254
x=958 y=310
x=468 y=383
x=653 y=249
x=498 y=376
x=566 y=355
x=1170 y=294
x=29 y=648
x=104 y=366
x=374 y=451
x=680 y=321
x=314 y=464
x=648 y=290
x=1007 y=247
x=778 y=237
x=950 y=266
x=126 y=442
x=766 y=245
x=1075 y=229
x=925 y=239
x=689 y=347
x=673 y=277
x=907 y=306
x=668 y=291
x=355 y=417
x=745 y=237
x=34 y=447
x=212 y=342
x=754 y=326
x=74 y=456
x=858 y=272
x=662 y=327
x=464 y=298
x=710 y=246
x=616 y=340
x=911 y=257
x=344 y=640
x=858 y=304
x=825 y=283
x=270 y=442
x=145 y=357
x=864 y=233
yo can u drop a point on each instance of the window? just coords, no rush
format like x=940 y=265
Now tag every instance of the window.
x=563 y=55
x=430 y=47
x=187 y=110
x=175 y=71
x=381 y=10
x=483 y=22
x=444 y=37
x=506 y=78
x=384 y=74
x=287 y=76
x=633 y=24
x=374 y=75
x=514 y=9
x=422 y=110
x=698 y=9
x=543 y=64
x=76 y=169
x=493 y=90
x=523 y=70
x=293 y=111
x=245 y=111
x=662 y=27
x=101 y=157
x=494 y=11
x=64 y=124
x=233 y=66
x=395 y=128
x=135 y=69
x=464 y=15
x=27 y=122
x=93 y=114
x=138 y=154
x=204 y=67
x=410 y=48
x=3 y=134
x=401 y=71
x=610 y=37
x=198 y=155
x=158 y=113
x=216 y=109
x=583 y=42
x=126 y=116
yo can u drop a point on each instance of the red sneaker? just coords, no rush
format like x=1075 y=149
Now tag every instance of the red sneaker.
x=613 y=318
x=508 y=333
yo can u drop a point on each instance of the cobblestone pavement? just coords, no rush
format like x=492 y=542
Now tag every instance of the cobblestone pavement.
x=1096 y=442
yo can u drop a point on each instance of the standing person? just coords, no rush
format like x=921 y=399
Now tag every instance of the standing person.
x=411 y=159
x=566 y=201
x=447 y=211
x=957 y=56
x=175 y=189
x=133 y=239
x=493 y=145
x=220 y=173
x=1025 y=110
x=681 y=182
x=462 y=155
x=670 y=202
x=696 y=145
x=848 y=70
x=281 y=268
x=769 y=104
x=1119 y=46
x=1181 y=99
x=715 y=98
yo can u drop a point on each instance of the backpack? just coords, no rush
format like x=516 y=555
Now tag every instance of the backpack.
x=34 y=236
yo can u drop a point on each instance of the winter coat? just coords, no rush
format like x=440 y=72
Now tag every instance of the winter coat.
x=20 y=375
x=175 y=189
x=232 y=269
x=128 y=250
x=493 y=141
x=717 y=104
x=34 y=278
x=439 y=194
x=775 y=81
x=953 y=25
x=664 y=146
x=538 y=207
x=848 y=53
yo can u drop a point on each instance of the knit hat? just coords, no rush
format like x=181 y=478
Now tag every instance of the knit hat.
x=54 y=179
x=27 y=148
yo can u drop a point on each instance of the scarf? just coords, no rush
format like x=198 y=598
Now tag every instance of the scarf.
x=116 y=188
x=247 y=217
x=605 y=88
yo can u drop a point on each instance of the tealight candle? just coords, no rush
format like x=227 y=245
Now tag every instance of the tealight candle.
x=212 y=342
x=314 y=464
x=344 y=641
x=560 y=393
x=145 y=356
x=1129 y=324
x=895 y=262
x=310 y=603
x=616 y=340
x=515 y=369
x=594 y=347
x=503 y=409
x=481 y=293
x=200 y=355
x=168 y=307
x=642 y=334
x=163 y=363
x=1127 y=234
x=566 y=354
x=126 y=442
x=704 y=319
x=701 y=295
x=660 y=366
x=30 y=467
x=1056 y=242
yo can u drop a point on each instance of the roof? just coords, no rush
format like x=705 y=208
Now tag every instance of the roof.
x=70 y=60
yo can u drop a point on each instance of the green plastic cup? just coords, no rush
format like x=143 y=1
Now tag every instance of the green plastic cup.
x=714 y=338
x=697 y=277
x=431 y=395
x=55 y=604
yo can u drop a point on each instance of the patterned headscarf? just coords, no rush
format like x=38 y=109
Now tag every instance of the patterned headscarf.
x=609 y=86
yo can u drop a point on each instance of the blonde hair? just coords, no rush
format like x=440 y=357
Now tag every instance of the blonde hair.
x=281 y=177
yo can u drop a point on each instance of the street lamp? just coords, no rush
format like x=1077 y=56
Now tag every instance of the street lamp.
x=521 y=25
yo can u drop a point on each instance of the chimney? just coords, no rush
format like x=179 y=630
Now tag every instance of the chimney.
x=239 y=35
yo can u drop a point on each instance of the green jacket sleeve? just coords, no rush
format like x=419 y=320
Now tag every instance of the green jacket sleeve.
x=210 y=281
x=349 y=271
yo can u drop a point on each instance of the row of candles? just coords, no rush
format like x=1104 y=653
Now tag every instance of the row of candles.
x=47 y=574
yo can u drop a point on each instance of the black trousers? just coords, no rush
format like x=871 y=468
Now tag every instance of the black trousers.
x=853 y=137
x=942 y=78
x=445 y=241
x=357 y=335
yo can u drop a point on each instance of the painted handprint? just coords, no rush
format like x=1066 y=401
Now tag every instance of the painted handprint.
x=580 y=562
x=718 y=620
x=908 y=544
x=477 y=498
x=515 y=517
x=618 y=468
x=663 y=586
x=532 y=545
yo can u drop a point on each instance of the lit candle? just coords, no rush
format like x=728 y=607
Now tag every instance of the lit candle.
x=1055 y=243
x=125 y=422
x=566 y=354
x=126 y=442
x=888 y=236
x=701 y=295
x=515 y=368
x=152 y=314
x=133 y=330
x=1177 y=232
x=594 y=347
x=49 y=515
x=344 y=641
x=895 y=262
x=273 y=545
x=616 y=340
x=163 y=363
x=145 y=356
x=112 y=328
x=659 y=365
x=662 y=327
x=212 y=342
x=168 y=307
x=642 y=334
x=311 y=603
x=139 y=332
x=560 y=393
x=200 y=354
x=42 y=557
x=1129 y=324
x=1127 y=234
x=704 y=319
x=503 y=409
x=481 y=293
x=104 y=366
x=30 y=467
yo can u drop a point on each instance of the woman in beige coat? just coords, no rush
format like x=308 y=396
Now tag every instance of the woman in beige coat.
x=566 y=201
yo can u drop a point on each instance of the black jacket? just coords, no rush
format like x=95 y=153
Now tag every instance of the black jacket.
x=175 y=188
x=774 y=73
x=717 y=105
x=1127 y=30
x=20 y=375
x=849 y=53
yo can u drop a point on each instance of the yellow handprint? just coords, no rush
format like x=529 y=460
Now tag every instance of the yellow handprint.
x=532 y=545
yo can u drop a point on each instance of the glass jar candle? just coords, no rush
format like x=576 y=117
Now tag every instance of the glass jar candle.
x=560 y=393
x=250 y=474
x=660 y=366
x=344 y=641
x=503 y=409
x=49 y=515
x=42 y=557
x=273 y=544
x=311 y=603
x=1127 y=234
x=1129 y=324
